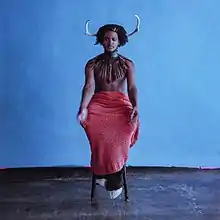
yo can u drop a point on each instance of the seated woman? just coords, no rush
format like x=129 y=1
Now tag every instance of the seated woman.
x=108 y=110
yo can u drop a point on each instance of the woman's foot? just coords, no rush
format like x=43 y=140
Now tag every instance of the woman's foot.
x=101 y=182
x=115 y=193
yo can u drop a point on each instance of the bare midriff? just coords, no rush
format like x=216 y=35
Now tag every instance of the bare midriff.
x=116 y=86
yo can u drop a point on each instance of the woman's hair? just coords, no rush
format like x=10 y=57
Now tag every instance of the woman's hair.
x=122 y=34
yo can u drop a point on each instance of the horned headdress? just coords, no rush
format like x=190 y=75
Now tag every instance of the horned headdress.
x=87 y=32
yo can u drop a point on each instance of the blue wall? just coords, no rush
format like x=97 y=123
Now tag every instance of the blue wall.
x=43 y=53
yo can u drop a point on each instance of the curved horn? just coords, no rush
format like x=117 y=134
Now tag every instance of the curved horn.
x=87 y=29
x=136 y=28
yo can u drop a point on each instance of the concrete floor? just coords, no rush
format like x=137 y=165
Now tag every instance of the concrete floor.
x=155 y=194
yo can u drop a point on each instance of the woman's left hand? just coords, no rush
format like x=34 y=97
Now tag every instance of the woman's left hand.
x=134 y=115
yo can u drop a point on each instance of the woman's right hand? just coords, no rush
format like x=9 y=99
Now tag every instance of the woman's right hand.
x=82 y=115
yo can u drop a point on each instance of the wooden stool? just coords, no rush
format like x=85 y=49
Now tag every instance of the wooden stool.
x=124 y=184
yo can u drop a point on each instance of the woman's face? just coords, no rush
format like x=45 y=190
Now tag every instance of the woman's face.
x=110 y=41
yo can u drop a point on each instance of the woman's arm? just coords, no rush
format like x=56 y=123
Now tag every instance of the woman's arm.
x=88 y=88
x=131 y=86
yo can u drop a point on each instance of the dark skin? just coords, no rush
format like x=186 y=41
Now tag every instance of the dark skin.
x=94 y=84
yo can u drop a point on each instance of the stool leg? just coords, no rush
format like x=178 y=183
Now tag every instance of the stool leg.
x=93 y=187
x=125 y=184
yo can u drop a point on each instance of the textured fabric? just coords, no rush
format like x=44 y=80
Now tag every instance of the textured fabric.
x=109 y=131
